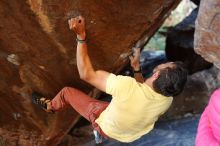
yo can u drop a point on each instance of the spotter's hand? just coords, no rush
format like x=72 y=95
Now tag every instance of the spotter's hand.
x=77 y=24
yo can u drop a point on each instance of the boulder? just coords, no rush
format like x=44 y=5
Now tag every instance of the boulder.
x=207 y=38
x=179 y=45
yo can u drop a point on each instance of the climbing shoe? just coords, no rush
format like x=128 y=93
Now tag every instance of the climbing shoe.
x=39 y=100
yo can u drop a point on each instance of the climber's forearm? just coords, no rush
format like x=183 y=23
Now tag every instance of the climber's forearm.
x=84 y=65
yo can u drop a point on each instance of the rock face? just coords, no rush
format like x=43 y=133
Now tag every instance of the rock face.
x=37 y=53
x=179 y=44
x=207 y=38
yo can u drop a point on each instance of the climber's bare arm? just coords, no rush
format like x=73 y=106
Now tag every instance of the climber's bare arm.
x=135 y=64
x=86 y=71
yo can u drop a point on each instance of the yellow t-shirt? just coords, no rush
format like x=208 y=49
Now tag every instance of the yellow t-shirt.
x=134 y=109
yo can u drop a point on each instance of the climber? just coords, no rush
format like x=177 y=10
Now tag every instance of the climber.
x=208 y=133
x=136 y=104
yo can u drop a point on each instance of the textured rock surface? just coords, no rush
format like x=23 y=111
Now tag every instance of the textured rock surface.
x=179 y=44
x=37 y=53
x=207 y=38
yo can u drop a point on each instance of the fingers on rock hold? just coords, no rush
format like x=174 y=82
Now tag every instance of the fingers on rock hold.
x=131 y=57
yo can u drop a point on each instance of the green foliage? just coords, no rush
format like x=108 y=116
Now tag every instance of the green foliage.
x=157 y=42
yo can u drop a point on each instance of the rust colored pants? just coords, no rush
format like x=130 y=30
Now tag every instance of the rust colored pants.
x=86 y=106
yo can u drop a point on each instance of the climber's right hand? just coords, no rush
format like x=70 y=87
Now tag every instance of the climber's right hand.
x=135 y=59
x=77 y=24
